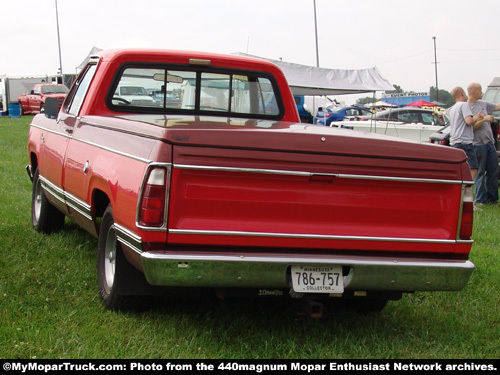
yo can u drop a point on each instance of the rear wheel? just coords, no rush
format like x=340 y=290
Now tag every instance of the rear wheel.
x=44 y=216
x=121 y=285
x=109 y=274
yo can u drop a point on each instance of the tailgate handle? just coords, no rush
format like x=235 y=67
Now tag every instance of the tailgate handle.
x=322 y=178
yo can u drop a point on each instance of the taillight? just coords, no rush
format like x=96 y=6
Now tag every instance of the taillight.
x=466 y=221
x=152 y=203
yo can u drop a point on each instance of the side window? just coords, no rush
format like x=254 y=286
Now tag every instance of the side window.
x=428 y=119
x=77 y=93
x=253 y=96
x=268 y=97
x=408 y=117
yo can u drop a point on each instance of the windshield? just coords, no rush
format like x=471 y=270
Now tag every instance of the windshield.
x=54 y=89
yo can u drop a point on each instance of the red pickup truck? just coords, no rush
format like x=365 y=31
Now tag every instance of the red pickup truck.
x=34 y=102
x=216 y=184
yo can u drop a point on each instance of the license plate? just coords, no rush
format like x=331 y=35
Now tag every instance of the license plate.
x=317 y=279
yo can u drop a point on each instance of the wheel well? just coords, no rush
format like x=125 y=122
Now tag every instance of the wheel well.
x=33 y=162
x=100 y=201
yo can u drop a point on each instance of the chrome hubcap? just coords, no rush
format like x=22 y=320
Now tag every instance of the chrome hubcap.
x=110 y=258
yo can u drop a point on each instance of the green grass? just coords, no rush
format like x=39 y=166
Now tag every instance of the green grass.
x=49 y=305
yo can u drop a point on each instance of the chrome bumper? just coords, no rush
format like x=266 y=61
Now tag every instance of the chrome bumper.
x=260 y=271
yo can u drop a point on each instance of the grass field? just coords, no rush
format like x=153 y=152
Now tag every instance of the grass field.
x=49 y=305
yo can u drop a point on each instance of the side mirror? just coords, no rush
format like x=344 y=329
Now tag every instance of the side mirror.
x=51 y=108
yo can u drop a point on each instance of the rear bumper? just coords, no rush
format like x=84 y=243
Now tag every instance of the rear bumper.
x=264 y=271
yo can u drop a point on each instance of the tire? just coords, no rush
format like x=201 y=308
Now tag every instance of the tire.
x=45 y=217
x=109 y=274
x=121 y=285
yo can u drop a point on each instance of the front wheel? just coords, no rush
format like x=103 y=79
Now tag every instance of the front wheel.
x=44 y=216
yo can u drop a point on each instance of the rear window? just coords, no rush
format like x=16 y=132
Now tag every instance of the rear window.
x=197 y=91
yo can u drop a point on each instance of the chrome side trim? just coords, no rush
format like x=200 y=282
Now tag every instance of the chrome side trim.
x=246 y=170
x=65 y=135
x=130 y=156
x=66 y=198
x=312 y=236
x=128 y=238
x=78 y=205
x=309 y=174
x=53 y=190
x=114 y=151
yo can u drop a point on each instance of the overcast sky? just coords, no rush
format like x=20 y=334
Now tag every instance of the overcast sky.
x=396 y=36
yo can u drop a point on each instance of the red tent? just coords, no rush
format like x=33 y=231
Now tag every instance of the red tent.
x=421 y=103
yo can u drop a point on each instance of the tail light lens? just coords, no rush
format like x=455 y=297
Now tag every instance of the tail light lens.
x=153 y=200
x=467 y=219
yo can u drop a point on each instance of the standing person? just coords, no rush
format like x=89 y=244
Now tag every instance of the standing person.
x=486 y=181
x=462 y=123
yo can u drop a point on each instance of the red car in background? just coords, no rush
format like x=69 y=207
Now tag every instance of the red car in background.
x=34 y=102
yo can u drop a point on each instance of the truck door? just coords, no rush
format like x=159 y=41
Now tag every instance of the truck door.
x=34 y=99
x=75 y=178
x=53 y=144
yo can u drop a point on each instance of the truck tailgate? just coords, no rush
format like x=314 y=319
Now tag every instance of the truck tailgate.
x=257 y=197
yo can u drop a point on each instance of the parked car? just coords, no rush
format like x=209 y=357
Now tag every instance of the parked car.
x=131 y=94
x=411 y=123
x=492 y=95
x=327 y=115
x=441 y=136
x=409 y=115
x=304 y=114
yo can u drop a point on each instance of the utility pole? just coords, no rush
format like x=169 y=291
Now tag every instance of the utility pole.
x=436 y=69
x=59 y=43
x=316 y=32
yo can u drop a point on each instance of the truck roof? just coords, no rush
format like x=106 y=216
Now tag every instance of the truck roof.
x=187 y=57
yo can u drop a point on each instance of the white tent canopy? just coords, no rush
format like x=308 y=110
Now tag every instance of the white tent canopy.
x=380 y=103
x=310 y=80
x=313 y=81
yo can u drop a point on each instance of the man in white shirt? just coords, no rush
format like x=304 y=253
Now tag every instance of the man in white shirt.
x=462 y=124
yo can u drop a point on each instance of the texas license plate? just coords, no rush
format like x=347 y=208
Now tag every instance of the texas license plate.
x=317 y=279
